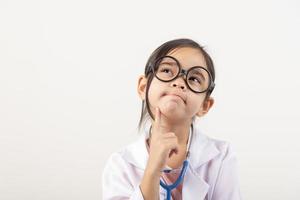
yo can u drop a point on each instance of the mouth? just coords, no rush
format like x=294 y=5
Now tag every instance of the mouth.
x=182 y=97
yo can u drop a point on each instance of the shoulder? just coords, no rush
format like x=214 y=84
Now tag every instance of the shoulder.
x=130 y=156
x=115 y=169
x=119 y=177
x=208 y=150
x=115 y=160
x=225 y=148
x=227 y=157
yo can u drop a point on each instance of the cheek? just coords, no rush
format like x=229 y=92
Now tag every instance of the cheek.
x=195 y=102
x=155 y=92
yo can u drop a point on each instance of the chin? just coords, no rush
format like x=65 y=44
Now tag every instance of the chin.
x=173 y=115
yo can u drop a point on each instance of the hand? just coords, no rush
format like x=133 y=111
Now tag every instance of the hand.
x=163 y=143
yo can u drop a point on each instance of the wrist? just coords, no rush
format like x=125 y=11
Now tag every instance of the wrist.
x=152 y=171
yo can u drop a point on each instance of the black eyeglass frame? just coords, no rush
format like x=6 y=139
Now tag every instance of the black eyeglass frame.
x=185 y=72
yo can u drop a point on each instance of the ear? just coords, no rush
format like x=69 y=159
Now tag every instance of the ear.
x=142 y=83
x=205 y=107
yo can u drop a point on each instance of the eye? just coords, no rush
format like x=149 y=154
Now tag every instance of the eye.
x=195 y=79
x=165 y=70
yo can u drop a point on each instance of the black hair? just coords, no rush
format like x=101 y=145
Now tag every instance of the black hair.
x=163 y=50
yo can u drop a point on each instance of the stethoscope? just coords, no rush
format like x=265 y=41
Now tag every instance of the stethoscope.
x=180 y=178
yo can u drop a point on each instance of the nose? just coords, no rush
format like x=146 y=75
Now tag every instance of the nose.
x=179 y=82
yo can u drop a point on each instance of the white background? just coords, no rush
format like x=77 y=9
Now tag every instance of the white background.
x=68 y=79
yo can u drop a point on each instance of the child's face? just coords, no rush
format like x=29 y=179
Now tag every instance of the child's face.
x=175 y=100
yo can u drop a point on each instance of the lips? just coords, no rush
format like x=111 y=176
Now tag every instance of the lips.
x=183 y=97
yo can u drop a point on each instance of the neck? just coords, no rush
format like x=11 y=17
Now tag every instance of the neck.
x=181 y=130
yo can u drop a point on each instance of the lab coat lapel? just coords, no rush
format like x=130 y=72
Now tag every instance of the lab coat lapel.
x=194 y=187
x=202 y=150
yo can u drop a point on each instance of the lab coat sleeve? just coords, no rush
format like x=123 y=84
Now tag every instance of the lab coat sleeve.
x=227 y=183
x=116 y=184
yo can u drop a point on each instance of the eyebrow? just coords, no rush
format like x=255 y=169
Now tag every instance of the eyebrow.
x=168 y=62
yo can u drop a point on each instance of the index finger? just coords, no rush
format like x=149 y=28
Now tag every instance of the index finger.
x=157 y=119
x=157 y=116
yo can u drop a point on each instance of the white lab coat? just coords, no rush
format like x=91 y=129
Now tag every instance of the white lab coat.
x=212 y=173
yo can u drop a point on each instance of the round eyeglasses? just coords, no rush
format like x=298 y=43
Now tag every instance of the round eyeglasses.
x=197 y=78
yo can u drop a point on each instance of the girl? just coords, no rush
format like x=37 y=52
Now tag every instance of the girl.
x=172 y=159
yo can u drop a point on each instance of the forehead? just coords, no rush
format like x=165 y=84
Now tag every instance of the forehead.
x=188 y=57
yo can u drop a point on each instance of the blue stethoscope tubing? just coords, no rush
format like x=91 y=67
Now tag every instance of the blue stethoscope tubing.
x=169 y=188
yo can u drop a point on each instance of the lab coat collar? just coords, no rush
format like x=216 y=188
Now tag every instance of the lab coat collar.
x=202 y=149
